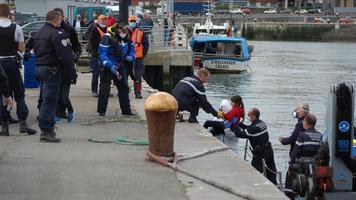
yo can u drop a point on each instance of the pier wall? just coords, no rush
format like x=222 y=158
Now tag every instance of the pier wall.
x=299 y=32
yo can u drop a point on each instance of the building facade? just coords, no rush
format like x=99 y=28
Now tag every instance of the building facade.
x=41 y=7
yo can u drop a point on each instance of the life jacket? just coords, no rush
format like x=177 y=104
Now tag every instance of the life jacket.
x=101 y=32
x=137 y=37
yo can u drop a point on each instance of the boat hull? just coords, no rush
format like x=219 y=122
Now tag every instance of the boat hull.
x=226 y=66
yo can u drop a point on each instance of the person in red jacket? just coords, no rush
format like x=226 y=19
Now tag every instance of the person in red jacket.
x=232 y=114
x=238 y=111
x=110 y=21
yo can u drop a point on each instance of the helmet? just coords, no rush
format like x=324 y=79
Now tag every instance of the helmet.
x=132 y=18
x=225 y=106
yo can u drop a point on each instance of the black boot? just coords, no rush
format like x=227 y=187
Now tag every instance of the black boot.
x=49 y=136
x=5 y=129
x=24 y=128
x=192 y=119
x=13 y=121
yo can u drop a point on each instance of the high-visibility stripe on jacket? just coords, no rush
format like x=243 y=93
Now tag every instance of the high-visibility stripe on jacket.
x=137 y=37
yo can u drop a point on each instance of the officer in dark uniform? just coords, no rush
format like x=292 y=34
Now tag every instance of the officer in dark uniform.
x=190 y=95
x=7 y=100
x=54 y=57
x=300 y=112
x=64 y=102
x=116 y=52
x=258 y=136
x=12 y=42
x=308 y=143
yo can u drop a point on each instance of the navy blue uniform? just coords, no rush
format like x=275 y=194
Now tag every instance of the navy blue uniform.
x=298 y=129
x=258 y=136
x=64 y=101
x=11 y=67
x=190 y=95
x=307 y=144
x=4 y=90
x=291 y=140
x=113 y=51
x=53 y=57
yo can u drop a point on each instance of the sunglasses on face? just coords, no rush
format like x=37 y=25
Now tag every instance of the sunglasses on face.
x=132 y=21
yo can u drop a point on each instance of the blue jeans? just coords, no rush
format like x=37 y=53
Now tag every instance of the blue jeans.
x=94 y=65
x=50 y=81
x=17 y=89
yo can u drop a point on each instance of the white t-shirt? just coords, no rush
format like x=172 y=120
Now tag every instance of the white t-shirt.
x=18 y=31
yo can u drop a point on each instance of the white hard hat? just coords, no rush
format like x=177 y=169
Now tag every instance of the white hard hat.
x=225 y=106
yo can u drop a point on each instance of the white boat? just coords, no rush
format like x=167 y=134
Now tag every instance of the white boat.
x=216 y=51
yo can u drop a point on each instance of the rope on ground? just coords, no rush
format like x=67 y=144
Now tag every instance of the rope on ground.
x=103 y=120
x=200 y=154
x=175 y=167
x=122 y=140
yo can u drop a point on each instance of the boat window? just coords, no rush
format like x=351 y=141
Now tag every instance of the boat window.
x=228 y=48
x=200 y=31
x=199 y=47
x=212 y=47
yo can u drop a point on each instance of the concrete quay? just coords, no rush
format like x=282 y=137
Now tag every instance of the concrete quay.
x=78 y=169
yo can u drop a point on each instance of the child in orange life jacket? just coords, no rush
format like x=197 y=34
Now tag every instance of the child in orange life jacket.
x=232 y=114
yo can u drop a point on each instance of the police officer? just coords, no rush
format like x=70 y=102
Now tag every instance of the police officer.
x=258 y=136
x=54 y=57
x=64 y=102
x=6 y=99
x=141 y=43
x=116 y=52
x=300 y=112
x=12 y=42
x=190 y=95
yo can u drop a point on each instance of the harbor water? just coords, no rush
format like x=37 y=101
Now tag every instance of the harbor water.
x=284 y=73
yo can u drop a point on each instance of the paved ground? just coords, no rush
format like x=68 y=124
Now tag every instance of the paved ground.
x=78 y=169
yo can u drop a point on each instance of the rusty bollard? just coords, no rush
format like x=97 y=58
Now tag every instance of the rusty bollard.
x=161 y=110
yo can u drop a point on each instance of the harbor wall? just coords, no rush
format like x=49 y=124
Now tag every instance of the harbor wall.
x=299 y=32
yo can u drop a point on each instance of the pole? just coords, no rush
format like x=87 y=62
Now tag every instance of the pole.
x=124 y=10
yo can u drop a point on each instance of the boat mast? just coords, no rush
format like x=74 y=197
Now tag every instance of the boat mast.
x=208 y=7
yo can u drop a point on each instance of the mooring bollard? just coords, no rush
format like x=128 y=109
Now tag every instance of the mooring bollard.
x=161 y=110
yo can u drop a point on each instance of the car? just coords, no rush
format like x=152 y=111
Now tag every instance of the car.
x=236 y=11
x=246 y=11
x=271 y=11
x=32 y=27
x=314 y=11
x=346 y=20
x=301 y=11
x=286 y=11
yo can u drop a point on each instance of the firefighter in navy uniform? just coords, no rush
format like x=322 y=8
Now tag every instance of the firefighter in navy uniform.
x=190 y=95
x=305 y=149
x=308 y=143
x=258 y=136
x=12 y=43
x=116 y=52
x=6 y=101
x=54 y=57
x=300 y=112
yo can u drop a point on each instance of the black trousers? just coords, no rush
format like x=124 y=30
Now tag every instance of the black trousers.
x=64 y=102
x=17 y=89
x=267 y=155
x=122 y=87
x=218 y=127
x=192 y=107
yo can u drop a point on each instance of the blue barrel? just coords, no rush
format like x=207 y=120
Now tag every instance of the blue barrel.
x=30 y=72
